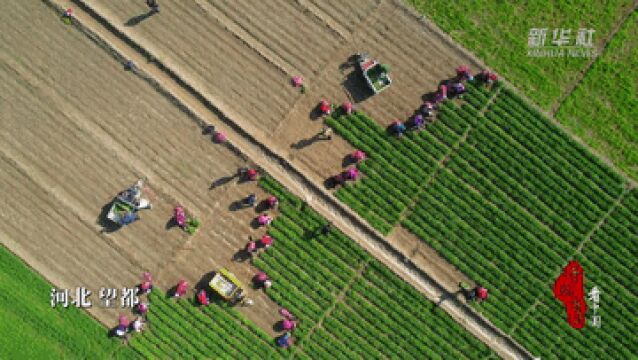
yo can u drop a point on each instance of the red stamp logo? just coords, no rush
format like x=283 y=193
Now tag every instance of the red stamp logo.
x=569 y=289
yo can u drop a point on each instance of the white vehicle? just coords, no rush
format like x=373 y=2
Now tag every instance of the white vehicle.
x=126 y=204
x=375 y=73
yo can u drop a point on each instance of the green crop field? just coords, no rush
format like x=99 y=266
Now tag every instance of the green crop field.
x=180 y=329
x=31 y=329
x=497 y=32
x=398 y=169
x=513 y=201
x=603 y=109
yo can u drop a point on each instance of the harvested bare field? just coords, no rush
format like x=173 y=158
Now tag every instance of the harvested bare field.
x=77 y=129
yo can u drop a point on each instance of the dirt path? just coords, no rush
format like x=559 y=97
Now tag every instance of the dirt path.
x=318 y=198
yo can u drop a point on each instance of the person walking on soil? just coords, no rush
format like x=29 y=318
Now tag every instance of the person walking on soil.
x=325 y=133
x=153 y=5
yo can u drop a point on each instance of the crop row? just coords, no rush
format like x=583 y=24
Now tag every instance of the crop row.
x=325 y=347
x=189 y=329
x=502 y=191
x=470 y=158
x=411 y=334
x=32 y=329
x=554 y=191
x=489 y=220
x=313 y=250
x=575 y=153
x=335 y=241
x=380 y=277
x=470 y=235
x=504 y=115
x=425 y=331
x=394 y=170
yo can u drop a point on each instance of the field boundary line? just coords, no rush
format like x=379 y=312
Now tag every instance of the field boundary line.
x=338 y=299
x=320 y=15
x=585 y=70
x=199 y=107
x=602 y=221
x=439 y=167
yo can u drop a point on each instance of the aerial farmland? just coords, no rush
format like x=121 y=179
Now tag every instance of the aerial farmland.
x=309 y=179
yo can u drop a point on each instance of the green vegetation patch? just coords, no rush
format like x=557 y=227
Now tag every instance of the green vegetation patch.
x=603 y=109
x=31 y=329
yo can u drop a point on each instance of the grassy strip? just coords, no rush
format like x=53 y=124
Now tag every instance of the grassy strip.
x=27 y=318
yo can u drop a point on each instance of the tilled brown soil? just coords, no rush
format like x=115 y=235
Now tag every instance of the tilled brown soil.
x=77 y=129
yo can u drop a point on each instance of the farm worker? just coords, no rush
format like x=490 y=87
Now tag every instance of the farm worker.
x=427 y=108
x=325 y=133
x=251 y=174
x=142 y=308
x=247 y=302
x=130 y=65
x=264 y=220
x=347 y=107
x=442 y=94
x=153 y=5
x=326 y=229
x=137 y=325
x=68 y=13
x=266 y=241
x=463 y=72
x=324 y=106
x=417 y=121
x=339 y=179
x=250 y=200
x=181 y=288
x=284 y=340
x=180 y=216
x=146 y=286
x=297 y=81
x=458 y=88
x=202 y=297
x=481 y=293
x=352 y=174
x=398 y=128
x=122 y=326
x=488 y=76
x=220 y=137
x=251 y=246
x=123 y=321
x=287 y=324
x=286 y=313
x=358 y=155
x=272 y=201
x=267 y=284
x=260 y=278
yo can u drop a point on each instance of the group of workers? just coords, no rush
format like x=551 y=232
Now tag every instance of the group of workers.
x=452 y=88
x=288 y=324
x=126 y=327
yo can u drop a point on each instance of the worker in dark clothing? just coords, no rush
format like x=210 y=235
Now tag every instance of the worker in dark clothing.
x=153 y=5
